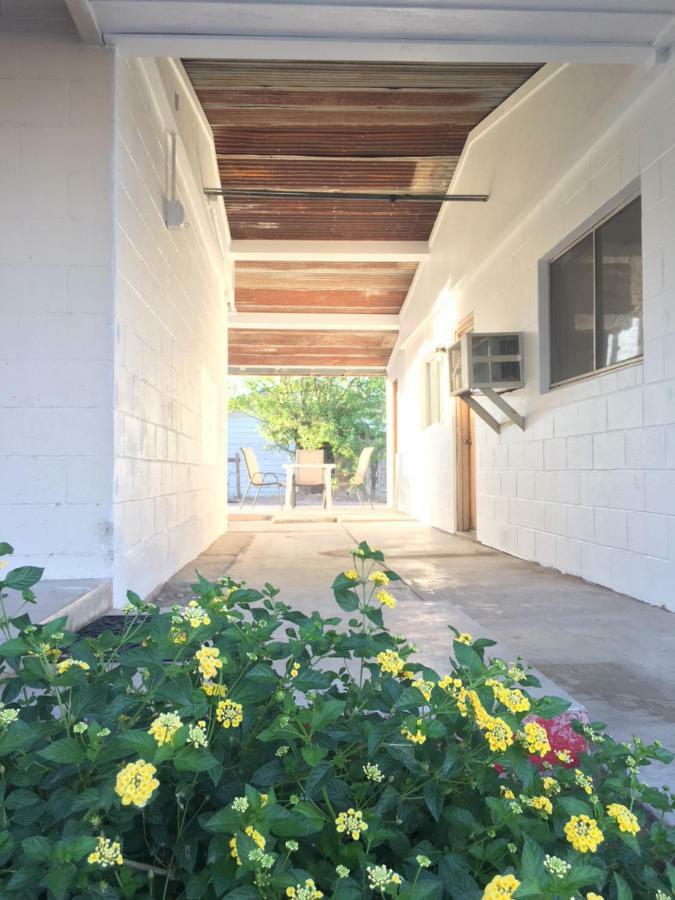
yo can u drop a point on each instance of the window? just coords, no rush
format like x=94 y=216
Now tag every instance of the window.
x=434 y=375
x=595 y=298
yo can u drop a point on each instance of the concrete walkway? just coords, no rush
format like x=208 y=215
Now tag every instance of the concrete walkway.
x=614 y=655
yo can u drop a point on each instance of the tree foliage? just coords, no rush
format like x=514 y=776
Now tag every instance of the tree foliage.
x=341 y=414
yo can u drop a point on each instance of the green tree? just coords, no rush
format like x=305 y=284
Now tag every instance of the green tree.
x=339 y=414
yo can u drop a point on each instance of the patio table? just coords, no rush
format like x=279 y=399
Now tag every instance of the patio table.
x=292 y=468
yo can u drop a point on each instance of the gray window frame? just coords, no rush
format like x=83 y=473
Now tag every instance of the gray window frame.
x=630 y=193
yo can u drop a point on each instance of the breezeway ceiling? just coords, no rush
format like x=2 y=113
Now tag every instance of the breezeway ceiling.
x=353 y=95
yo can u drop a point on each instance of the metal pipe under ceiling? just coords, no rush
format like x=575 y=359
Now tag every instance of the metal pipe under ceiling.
x=264 y=194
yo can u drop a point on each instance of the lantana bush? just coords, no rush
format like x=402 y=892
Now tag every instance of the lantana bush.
x=237 y=748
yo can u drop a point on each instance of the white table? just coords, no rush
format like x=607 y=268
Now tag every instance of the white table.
x=292 y=468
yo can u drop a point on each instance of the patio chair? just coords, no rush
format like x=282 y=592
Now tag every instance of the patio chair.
x=259 y=479
x=310 y=477
x=358 y=479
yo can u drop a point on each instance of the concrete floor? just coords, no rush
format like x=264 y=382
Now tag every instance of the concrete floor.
x=612 y=654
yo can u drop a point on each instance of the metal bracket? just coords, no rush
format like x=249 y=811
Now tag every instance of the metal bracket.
x=500 y=403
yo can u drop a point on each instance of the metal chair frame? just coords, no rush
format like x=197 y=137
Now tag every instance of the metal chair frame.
x=259 y=479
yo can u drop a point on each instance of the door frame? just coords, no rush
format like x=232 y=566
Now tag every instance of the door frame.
x=465 y=452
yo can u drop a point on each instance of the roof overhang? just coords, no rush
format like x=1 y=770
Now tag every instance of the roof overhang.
x=381 y=30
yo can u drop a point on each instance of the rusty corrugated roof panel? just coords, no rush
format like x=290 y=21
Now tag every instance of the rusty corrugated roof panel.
x=351 y=126
x=277 y=348
x=302 y=287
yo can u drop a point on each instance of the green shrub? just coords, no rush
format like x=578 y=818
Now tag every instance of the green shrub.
x=238 y=748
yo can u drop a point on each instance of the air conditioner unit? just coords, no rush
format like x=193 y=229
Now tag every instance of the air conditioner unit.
x=492 y=362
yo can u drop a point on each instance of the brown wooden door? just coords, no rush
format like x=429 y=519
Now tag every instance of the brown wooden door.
x=465 y=454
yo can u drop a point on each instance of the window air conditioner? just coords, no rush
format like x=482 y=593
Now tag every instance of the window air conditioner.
x=486 y=361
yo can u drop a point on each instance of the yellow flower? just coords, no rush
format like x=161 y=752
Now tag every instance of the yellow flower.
x=306 y=891
x=448 y=683
x=195 y=615
x=507 y=793
x=536 y=739
x=464 y=638
x=295 y=670
x=512 y=698
x=583 y=834
x=197 y=734
x=424 y=687
x=178 y=636
x=416 y=737
x=351 y=574
x=502 y=887
x=592 y=896
x=255 y=836
x=351 y=823
x=69 y=663
x=211 y=689
x=550 y=785
x=229 y=713
x=107 y=853
x=625 y=819
x=389 y=661
x=386 y=599
x=164 y=727
x=564 y=756
x=584 y=781
x=136 y=783
x=498 y=734
x=541 y=803
x=209 y=662
x=378 y=578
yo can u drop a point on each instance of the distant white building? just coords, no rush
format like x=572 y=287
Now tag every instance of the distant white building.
x=244 y=430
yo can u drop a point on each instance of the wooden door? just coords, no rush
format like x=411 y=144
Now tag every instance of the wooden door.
x=465 y=454
x=393 y=500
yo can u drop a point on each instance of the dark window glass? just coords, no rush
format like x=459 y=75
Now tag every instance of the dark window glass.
x=572 y=327
x=596 y=298
x=618 y=245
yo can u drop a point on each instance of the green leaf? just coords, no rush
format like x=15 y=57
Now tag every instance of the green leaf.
x=65 y=750
x=466 y=656
x=37 y=848
x=193 y=760
x=327 y=712
x=304 y=819
x=6 y=549
x=23 y=578
x=13 y=647
x=623 y=892
x=59 y=880
x=582 y=875
x=346 y=599
x=532 y=861
x=573 y=806
x=550 y=707
x=433 y=799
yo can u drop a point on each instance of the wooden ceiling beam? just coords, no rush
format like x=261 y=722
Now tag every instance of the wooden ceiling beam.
x=329 y=251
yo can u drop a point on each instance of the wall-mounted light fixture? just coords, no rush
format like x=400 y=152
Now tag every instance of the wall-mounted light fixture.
x=174 y=212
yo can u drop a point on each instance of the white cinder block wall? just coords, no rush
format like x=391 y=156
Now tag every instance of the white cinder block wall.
x=170 y=359
x=589 y=487
x=56 y=293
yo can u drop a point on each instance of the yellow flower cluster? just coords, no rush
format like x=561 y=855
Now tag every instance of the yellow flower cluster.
x=386 y=599
x=380 y=877
x=550 y=785
x=541 y=804
x=448 y=683
x=255 y=836
x=211 y=689
x=306 y=891
x=593 y=896
x=136 y=783
x=502 y=887
x=507 y=793
x=351 y=823
x=625 y=819
x=464 y=638
x=512 y=698
x=195 y=615
x=208 y=659
x=584 y=781
x=424 y=687
x=390 y=662
x=583 y=834
x=351 y=574
x=536 y=739
x=164 y=727
x=379 y=578
x=295 y=670
x=69 y=663
x=229 y=713
x=107 y=853
x=498 y=734
x=417 y=736
x=197 y=734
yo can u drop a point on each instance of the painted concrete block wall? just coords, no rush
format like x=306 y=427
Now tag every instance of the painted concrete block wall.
x=56 y=293
x=589 y=487
x=170 y=364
